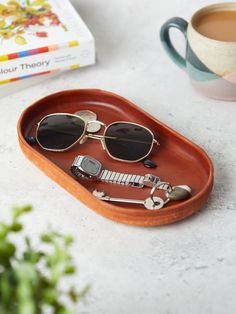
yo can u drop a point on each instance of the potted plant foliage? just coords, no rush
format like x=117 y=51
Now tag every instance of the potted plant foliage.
x=31 y=280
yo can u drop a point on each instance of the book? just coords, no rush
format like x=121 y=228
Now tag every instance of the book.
x=19 y=85
x=40 y=37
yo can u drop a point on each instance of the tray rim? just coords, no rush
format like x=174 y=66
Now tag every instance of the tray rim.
x=109 y=210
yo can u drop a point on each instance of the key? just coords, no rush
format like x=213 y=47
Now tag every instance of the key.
x=154 y=203
x=178 y=193
x=151 y=203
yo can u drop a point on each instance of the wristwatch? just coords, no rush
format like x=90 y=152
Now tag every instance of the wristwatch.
x=90 y=168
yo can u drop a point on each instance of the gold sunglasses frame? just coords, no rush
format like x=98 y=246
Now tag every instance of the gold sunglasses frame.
x=84 y=136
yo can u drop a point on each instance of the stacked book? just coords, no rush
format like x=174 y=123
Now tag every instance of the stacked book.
x=40 y=37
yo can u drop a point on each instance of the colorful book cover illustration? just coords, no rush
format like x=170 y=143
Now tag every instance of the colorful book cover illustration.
x=29 y=28
x=22 y=21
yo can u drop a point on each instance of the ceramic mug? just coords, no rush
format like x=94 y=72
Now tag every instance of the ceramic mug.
x=210 y=63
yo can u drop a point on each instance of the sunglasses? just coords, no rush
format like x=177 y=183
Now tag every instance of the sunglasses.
x=123 y=141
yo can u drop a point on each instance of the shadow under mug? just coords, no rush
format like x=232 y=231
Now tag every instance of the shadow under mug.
x=210 y=63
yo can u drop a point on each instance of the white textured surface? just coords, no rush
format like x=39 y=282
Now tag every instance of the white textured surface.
x=188 y=267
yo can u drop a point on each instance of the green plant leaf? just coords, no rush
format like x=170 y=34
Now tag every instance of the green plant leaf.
x=32 y=279
x=3 y=231
x=46 y=238
x=18 y=211
x=70 y=269
x=16 y=227
x=7 y=250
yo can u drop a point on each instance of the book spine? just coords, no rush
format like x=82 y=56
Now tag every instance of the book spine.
x=46 y=60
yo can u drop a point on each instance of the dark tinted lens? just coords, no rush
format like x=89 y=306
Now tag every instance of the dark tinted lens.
x=60 y=131
x=128 y=141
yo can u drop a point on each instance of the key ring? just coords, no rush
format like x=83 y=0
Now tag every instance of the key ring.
x=165 y=186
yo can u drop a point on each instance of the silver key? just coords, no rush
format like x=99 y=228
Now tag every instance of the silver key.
x=151 y=203
x=178 y=193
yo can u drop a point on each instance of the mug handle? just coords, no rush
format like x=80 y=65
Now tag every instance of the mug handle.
x=180 y=24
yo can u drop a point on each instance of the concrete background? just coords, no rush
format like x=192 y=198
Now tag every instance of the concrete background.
x=188 y=267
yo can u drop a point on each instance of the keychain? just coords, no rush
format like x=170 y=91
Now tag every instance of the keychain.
x=90 y=168
x=177 y=193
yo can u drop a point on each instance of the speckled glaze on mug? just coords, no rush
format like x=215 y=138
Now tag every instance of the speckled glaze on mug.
x=210 y=63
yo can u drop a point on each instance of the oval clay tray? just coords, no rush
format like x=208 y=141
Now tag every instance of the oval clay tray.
x=179 y=160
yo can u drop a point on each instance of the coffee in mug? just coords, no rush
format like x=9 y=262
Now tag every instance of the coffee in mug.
x=218 y=25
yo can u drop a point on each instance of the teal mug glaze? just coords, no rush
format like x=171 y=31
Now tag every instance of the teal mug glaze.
x=209 y=63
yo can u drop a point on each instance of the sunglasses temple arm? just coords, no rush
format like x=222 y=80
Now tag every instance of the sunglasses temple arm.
x=101 y=137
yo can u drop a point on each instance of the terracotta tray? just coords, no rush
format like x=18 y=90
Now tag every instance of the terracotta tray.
x=179 y=160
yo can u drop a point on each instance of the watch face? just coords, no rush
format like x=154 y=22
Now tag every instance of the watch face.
x=91 y=166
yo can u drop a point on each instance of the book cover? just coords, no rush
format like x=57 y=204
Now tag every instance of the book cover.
x=42 y=36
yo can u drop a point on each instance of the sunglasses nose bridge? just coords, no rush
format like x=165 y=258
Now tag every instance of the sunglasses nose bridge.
x=97 y=137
